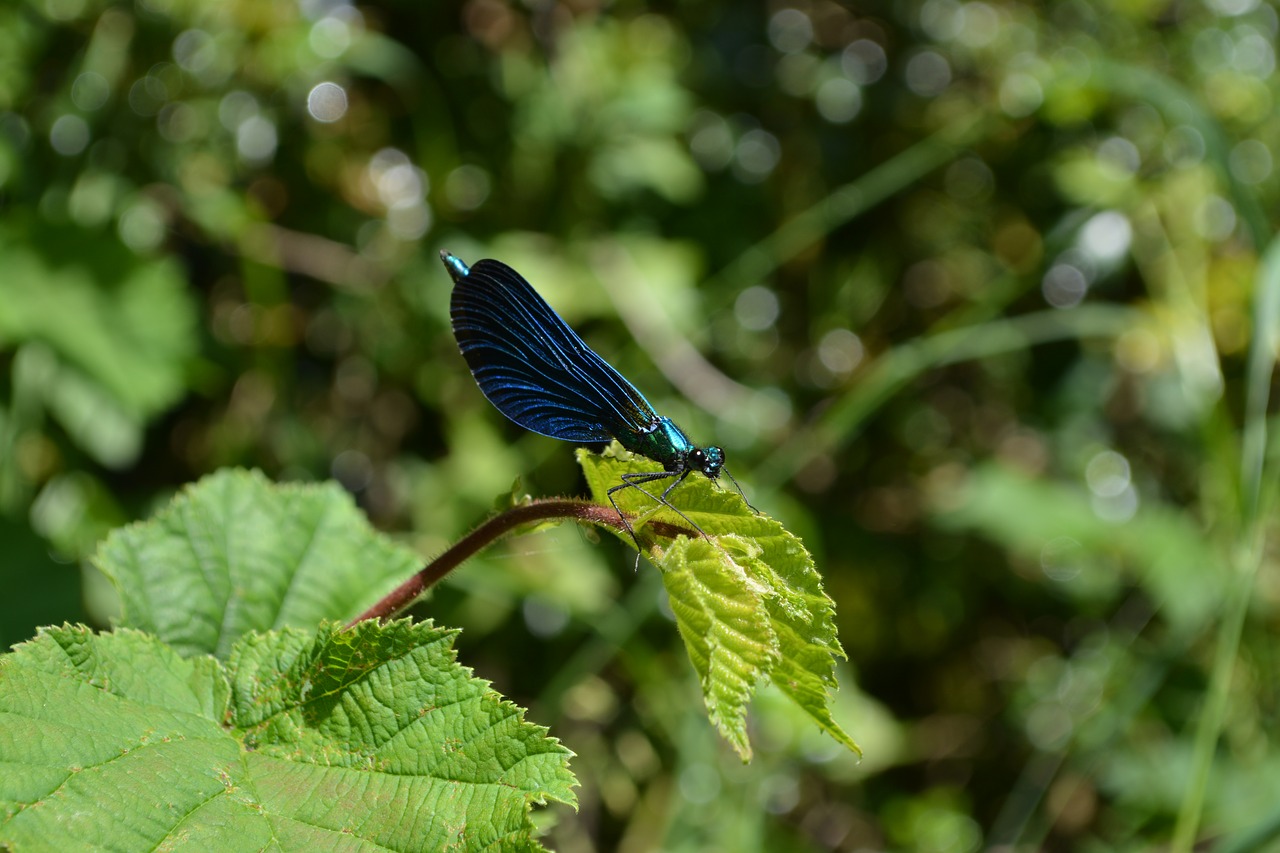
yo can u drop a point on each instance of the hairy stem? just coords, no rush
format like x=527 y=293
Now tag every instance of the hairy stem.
x=493 y=529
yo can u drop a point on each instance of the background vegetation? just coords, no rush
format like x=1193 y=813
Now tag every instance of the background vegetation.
x=976 y=295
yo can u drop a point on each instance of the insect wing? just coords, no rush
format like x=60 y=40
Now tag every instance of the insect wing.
x=532 y=366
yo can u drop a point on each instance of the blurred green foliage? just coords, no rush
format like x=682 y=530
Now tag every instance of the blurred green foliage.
x=966 y=290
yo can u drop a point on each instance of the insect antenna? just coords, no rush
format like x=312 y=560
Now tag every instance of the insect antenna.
x=734 y=480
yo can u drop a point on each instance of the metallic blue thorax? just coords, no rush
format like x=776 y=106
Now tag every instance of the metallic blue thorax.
x=662 y=442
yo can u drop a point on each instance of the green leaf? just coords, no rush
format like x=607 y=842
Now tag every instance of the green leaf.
x=368 y=739
x=236 y=553
x=748 y=601
x=717 y=610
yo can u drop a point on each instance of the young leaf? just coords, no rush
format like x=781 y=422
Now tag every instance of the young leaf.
x=236 y=553
x=717 y=610
x=748 y=601
x=372 y=738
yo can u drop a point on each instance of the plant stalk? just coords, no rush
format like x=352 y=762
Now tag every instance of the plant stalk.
x=494 y=529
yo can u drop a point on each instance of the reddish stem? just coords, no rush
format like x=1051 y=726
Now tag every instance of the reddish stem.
x=492 y=530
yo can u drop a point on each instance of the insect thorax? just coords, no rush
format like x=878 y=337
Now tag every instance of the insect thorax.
x=663 y=442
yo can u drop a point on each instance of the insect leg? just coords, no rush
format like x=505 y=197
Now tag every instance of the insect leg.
x=668 y=489
x=635 y=479
x=631 y=480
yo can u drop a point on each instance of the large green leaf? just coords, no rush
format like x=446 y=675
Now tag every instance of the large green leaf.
x=372 y=738
x=748 y=601
x=236 y=553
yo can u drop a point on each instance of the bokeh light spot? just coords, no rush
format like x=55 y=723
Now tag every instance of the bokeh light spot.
x=1250 y=162
x=1064 y=286
x=148 y=94
x=467 y=187
x=235 y=108
x=329 y=37
x=69 y=135
x=179 y=122
x=1215 y=218
x=1254 y=54
x=1049 y=726
x=142 y=226
x=1232 y=8
x=711 y=140
x=756 y=155
x=840 y=351
x=64 y=10
x=409 y=221
x=1107 y=474
x=981 y=25
x=1020 y=94
x=1059 y=559
x=327 y=102
x=256 y=140
x=969 y=179
x=864 y=62
x=839 y=100
x=1138 y=350
x=1106 y=236
x=1183 y=146
x=1118 y=508
x=1120 y=153
x=928 y=74
x=790 y=30
x=353 y=469
x=194 y=51
x=544 y=618
x=395 y=179
x=942 y=20
x=90 y=91
x=756 y=308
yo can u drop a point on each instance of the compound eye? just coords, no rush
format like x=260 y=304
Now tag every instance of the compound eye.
x=698 y=458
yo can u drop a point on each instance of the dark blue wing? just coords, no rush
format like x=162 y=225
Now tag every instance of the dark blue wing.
x=531 y=365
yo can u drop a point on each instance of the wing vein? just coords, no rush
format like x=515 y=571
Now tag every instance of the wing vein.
x=533 y=367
